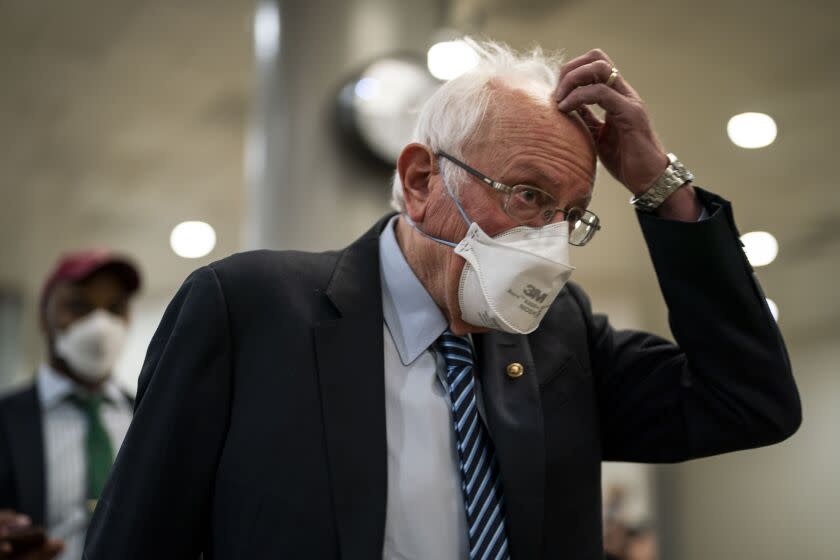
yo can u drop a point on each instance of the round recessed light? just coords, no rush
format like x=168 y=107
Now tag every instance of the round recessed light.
x=192 y=240
x=761 y=247
x=774 y=309
x=752 y=130
x=450 y=59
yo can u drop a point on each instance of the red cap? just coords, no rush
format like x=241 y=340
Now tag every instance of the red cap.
x=77 y=266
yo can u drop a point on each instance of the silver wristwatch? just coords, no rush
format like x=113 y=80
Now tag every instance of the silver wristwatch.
x=674 y=176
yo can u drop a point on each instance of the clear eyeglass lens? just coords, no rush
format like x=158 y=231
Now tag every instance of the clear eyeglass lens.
x=582 y=226
x=580 y=235
x=526 y=204
x=531 y=206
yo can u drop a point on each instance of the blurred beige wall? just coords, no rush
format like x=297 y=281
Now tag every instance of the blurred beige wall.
x=780 y=502
x=118 y=120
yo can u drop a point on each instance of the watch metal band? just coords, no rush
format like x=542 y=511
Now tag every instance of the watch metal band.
x=674 y=176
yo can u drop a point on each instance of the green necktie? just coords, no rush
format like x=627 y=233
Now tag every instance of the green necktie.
x=100 y=455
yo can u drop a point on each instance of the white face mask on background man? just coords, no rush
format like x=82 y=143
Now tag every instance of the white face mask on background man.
x=92 y=345
x=511 y=279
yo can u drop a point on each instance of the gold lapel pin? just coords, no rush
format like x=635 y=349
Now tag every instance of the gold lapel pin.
x=515 y=370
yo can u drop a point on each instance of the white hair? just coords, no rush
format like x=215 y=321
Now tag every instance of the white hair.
x=448 y=119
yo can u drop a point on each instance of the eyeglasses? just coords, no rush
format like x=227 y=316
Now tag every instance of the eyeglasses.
x=528 y=205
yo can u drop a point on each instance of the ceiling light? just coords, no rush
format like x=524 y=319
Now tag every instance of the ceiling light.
x=267 y=30
x=774 y=309
x=761 y=247
x=192 y=240
x=450 y=59
x=752 y=130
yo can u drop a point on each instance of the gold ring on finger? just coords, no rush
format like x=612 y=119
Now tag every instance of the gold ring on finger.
x=613 y=75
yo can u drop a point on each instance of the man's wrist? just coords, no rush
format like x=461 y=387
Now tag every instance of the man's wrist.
x=683 y=205
x=672 y=179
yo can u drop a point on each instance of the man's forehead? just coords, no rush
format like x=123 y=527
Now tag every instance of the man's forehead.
x=527 y=142
x=516 y=118
x=67 y=287
x=99 y=281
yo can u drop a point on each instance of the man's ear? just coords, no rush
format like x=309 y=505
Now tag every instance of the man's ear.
x=416 y=166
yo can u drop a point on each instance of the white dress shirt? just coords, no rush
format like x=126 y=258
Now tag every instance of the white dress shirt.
x=65 y=459
x=425 y=516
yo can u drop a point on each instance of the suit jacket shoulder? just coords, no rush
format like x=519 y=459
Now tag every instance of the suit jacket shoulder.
x=303 y=284
x=25 y=393
x=285 y=267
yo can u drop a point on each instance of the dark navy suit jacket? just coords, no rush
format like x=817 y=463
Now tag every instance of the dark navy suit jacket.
x=260 y=424
x=22 y=476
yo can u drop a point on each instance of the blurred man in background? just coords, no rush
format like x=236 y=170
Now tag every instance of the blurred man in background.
x=59 y=436
x=625 y=539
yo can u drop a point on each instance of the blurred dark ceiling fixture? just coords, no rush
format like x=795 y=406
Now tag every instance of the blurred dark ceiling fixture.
x=377 y=108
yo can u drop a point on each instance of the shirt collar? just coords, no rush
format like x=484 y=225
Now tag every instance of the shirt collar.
x=411 y=315
x=54 y=387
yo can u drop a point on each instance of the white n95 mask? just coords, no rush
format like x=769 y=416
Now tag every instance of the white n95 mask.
x=92 y=344
x=510 y=280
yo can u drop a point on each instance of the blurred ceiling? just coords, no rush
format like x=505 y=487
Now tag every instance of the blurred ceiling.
x=120 y=119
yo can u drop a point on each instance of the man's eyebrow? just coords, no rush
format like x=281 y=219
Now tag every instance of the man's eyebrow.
x=546 y=180
x=523 y=169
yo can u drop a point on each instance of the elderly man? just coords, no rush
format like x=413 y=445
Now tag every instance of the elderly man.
x=436 y=389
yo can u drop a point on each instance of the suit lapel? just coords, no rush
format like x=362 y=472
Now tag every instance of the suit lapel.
x=26 y=444
x=515 y=420
x=349 y=352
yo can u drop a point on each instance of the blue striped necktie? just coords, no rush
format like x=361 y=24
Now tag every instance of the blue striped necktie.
x=480 y=477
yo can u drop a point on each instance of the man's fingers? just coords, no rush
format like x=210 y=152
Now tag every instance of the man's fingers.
x=11 y=521
x=592 y=122
x=596 y=72
x=595 y=94
x=13 y=518
x=53 y=548
x=591 y=56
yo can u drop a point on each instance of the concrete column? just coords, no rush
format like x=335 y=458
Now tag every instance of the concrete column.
x=306 y=189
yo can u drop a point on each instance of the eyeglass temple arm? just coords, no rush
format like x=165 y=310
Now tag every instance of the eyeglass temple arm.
x=502 y=187
x=475 y=172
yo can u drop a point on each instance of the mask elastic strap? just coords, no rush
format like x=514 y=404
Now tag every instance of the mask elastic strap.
x=460 y=208
x=424 y=234
x=457 y=205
